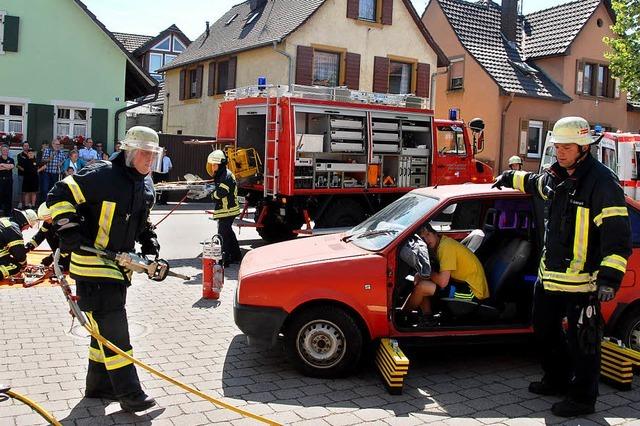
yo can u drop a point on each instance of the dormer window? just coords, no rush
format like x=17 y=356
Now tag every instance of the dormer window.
x=177 y=45
x=367 y=10
x=163 y=45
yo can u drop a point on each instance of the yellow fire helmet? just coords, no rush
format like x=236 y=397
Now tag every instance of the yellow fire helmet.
x=571 y=130
x=43 y=212
x=216 y=157
x=515 y=160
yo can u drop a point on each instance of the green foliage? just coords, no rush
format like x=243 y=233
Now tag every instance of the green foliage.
x=624 y=57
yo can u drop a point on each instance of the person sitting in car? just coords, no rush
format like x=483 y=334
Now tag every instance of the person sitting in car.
x=461 y=274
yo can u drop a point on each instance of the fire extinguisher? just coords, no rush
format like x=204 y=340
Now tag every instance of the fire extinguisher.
x=212 y=269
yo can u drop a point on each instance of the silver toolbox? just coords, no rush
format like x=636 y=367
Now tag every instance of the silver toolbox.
x=308 y=162
x=346 y=124
x=384 y=126
x=418 y=161
x=390 y=137
x=346 y=135
x=309 y=143
x=346 y=147
x=341 y=167
x=410 y=128
x=385 y=147
x=420 y=152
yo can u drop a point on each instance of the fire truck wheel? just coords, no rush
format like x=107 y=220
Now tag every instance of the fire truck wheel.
x=628 y=330
x=274 y=231
x=324 y=341
x=341 y=213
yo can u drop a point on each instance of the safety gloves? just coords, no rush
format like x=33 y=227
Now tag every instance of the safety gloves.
x=606 y=293
x=150 y=247
x=71 y=237
x=504 y=179
x=29 y=246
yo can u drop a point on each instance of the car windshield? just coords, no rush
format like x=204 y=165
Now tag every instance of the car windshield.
x=382 y=228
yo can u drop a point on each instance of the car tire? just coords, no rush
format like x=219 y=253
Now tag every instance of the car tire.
x=324 y=341
x=628 y=330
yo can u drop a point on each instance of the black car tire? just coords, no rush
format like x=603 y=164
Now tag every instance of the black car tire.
x=324 y=341
x=628 y=330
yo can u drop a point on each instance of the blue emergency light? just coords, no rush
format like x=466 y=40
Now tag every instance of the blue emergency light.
x=262 y=83
x=597 y=129
x=453 y=114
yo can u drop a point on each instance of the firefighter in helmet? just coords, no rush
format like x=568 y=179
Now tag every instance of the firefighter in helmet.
x=106 y=205
x=515 y=163
x=225 y=198
x=46 y=232
x=586 y=245
x=13 y=255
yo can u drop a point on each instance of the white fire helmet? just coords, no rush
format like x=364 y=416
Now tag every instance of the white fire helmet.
x=143 y=141
x=571 y=130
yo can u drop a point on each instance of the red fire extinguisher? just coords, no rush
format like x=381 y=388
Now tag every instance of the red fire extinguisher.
x=212 y=269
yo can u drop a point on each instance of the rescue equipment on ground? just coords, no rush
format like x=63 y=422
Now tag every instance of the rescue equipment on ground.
x=618 y=363
x=77 y=313
x=212 y=269
x=392 y=364
x=157 y=270
x=196 y=187
x=6 y=390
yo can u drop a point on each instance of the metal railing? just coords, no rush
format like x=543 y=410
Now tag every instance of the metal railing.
x=340 y=94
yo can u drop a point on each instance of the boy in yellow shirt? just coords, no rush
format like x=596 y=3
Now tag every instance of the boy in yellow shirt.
x=461 y=274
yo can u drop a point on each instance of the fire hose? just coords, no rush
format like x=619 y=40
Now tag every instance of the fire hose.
x=80 y=316
x=44 y=413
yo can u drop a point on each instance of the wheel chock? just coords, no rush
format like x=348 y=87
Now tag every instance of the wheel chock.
x=618 y=363
x=392 y=364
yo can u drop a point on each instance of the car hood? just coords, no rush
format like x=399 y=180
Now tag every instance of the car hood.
x=298 y=252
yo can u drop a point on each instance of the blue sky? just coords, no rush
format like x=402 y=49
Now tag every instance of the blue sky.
x=152 y=16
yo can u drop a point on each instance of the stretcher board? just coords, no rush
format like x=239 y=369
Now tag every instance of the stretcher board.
x=33 y=259
x=392 y=364
x=617 y=364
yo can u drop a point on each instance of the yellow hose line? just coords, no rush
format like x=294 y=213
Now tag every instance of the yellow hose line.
x=188 y=388
x=44 y=413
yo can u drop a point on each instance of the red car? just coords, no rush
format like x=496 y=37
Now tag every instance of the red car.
x=330 y=295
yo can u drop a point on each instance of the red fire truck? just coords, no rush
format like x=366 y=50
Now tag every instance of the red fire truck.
x=333 y=156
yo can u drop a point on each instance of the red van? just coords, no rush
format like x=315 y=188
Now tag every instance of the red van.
x=328 y=296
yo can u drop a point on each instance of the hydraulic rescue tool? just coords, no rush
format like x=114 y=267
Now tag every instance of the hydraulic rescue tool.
x=157 y=269
x=76 y=312
x=196 y=187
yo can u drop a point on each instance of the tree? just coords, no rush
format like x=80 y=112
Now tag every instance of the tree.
x=624 y=57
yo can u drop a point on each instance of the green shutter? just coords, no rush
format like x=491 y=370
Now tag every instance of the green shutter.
x=100 y=125
x=39 y=124
x=11 y=29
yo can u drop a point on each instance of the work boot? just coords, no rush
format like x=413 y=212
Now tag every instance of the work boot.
x=546 y=387
x=139 y=401
x=571 y=408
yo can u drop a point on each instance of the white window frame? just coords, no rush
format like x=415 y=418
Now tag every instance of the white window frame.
x=176 y=39
x=164 y=62
x=155 y=47
x=536 y=125
x=71 y=121
x=161 y=55
x=2 y=15
x=6 y=117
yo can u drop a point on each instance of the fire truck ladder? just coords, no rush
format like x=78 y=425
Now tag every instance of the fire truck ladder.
x=271 y=173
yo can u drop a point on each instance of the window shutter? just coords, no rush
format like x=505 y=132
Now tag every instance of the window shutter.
x=423 y=83
x=11 y=32
x=352 y=71
x=524 y=136
x=199 y=71
x=231 y=79
x=387 y=12
x=579 y=76
x=380 y=74
x=304 y=65
x=100 y=125
x=183 y=74
x=40 y=124
x=353 y=9
x=211 y=79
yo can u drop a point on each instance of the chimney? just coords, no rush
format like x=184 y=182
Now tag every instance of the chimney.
x=206 y=30
x=509 y=19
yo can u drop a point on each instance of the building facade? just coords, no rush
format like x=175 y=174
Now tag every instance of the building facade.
x=368 y=45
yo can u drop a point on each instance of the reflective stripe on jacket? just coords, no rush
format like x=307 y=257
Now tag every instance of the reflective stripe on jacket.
x=225 y=197
x=11 y=243
x=587 y=232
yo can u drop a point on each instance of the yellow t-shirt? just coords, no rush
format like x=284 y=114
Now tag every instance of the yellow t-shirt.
x=464 y=266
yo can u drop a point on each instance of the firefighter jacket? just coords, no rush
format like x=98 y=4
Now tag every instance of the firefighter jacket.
x=225 y=196
x=13 y=255
x=112 y=203
x=587 y=233
x=46 y=232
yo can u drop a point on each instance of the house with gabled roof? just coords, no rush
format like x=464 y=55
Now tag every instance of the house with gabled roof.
x=371 y=45
x=521 y=73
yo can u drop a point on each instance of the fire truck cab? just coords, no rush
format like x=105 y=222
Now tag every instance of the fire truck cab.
x=333 y=156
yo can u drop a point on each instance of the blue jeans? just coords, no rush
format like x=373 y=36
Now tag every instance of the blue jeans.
x=47 y=180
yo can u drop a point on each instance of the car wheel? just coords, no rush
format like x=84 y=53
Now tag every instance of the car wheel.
x=629 y=329
x=324 y=342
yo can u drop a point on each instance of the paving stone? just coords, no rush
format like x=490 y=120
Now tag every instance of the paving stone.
x=343 y=419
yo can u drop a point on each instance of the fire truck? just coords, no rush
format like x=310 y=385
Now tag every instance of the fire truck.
x=332 y=156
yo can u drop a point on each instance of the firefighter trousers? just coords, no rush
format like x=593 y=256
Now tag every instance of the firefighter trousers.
x=230 y=246
x=568 y=360
x=108 y=373
x=8 y=268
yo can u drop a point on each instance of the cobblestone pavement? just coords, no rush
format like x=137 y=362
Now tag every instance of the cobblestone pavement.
x=196 y=341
